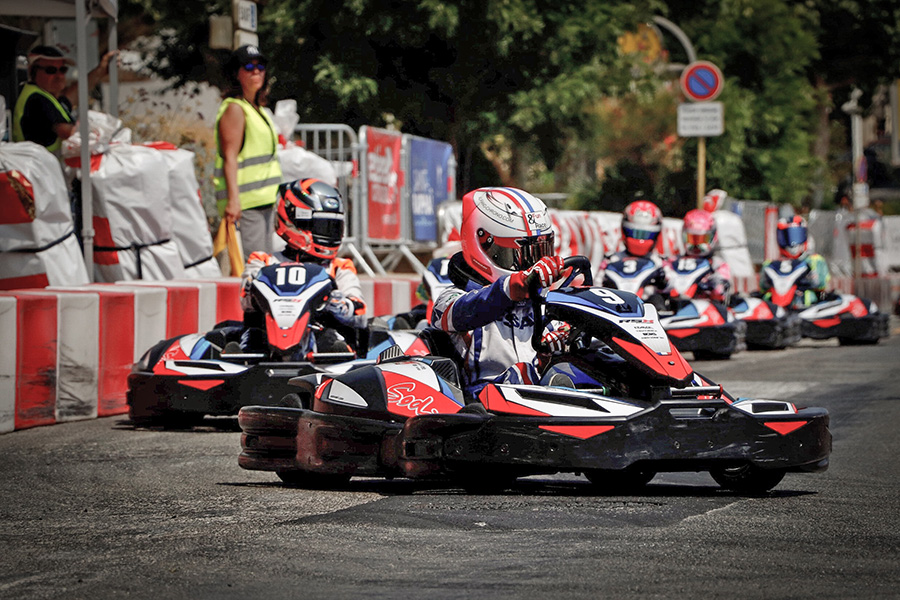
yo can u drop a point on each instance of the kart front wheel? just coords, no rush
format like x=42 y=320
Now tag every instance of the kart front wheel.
x=313 y=481
x=629 y=480
x=747 y=479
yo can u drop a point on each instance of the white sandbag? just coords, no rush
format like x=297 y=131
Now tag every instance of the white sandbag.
x=299 y=163
x=190 y=228
x=132 y=216
x=38 y=246
x=733 y=243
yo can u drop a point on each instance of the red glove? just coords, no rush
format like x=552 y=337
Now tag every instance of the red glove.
x=556 y=339
x=547 y=270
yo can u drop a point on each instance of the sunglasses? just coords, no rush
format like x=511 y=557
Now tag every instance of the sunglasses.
x=250 y=67
x=53 y=70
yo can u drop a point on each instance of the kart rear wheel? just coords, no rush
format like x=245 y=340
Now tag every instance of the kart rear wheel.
x=747 y=478
x=844 y=341
x=290 y=401
x=629 y=480
x=313 y=481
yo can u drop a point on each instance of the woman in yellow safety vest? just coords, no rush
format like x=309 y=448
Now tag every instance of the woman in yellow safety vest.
x=247 y=170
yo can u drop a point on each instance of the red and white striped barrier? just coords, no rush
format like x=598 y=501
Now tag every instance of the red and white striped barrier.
x=74 y=346
x=388 y=296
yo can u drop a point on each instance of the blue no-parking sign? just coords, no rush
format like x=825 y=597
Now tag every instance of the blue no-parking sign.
x=701 y=81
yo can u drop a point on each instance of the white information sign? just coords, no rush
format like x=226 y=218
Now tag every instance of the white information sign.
x=701 y=119
x=245 y=15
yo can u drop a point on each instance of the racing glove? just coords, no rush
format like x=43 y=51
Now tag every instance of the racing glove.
x=556 y=340
x=342 y=308
x=547 y=270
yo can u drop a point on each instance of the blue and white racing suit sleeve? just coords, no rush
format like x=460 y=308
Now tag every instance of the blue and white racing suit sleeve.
x=459 y=311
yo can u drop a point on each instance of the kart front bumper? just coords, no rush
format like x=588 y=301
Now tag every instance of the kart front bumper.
x=773 y=333
x=674 y=435
x=868 y=328
x=725 y=339
x=151 y=395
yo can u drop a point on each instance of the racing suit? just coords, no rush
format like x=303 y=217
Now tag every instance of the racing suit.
x=811 y=287
x=345 y=303
x=489 y=330
x=656 y=289
x=716 y=285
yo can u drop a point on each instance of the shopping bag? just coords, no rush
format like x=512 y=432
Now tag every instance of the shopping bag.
x=227 y=248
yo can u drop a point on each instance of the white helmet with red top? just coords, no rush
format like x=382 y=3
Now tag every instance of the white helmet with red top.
x=504 y=230
x=641 y=224
x=699 y=233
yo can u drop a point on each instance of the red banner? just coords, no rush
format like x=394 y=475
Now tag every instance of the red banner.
x=384 y=181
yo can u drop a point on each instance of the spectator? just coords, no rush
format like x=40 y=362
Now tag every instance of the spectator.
x=247 y=172
x=43 y=112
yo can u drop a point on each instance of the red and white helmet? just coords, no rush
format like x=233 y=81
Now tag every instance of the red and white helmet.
x=699 y=233
x=309 y=216
x=641 y=224
x=792 y=236
x=504 y=230
x=714 y=199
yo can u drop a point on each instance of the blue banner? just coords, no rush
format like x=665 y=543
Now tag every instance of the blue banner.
x=429 y=166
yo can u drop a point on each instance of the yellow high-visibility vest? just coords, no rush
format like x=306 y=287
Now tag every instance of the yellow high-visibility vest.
x=28 y=90
x=259 y=172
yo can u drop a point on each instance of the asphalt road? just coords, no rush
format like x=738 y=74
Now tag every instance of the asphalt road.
x=97 y=509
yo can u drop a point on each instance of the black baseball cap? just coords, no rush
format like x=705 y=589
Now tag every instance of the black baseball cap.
x=244 y=55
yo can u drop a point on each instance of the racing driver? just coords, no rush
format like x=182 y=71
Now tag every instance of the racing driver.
x=506 y=238
x=309 y=217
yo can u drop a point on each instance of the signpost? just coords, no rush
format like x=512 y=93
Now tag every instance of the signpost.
x=245 y=21
x=701 y=82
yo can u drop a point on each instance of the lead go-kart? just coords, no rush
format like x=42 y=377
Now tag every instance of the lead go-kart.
x=180 y=381
x=849 y=318
x=631 y=408
x=708 y=329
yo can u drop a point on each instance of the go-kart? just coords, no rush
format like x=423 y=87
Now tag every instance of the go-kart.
x=179 y=381
x=769 y=326
x=850 y=319
x=630 y=408
x=696 y=324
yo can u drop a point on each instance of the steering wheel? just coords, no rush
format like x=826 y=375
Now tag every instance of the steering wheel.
x=580 y=265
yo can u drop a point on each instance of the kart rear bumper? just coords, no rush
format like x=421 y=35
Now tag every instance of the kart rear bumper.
x=674 y=435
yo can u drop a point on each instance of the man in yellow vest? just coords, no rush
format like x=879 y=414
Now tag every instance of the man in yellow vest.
x=43 y=112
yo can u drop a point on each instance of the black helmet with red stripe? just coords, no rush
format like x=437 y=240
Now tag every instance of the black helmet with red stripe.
x=309 y=216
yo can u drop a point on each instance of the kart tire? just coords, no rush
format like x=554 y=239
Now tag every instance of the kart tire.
x=747 y=478
x=313 y=481
x=611 y=481
x=290 y=401
x=486 y=482
x=844 y=341
x=172 y=419
x=711 y=355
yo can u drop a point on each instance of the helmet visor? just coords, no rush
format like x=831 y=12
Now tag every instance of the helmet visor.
x=327 y=228
x=518 y=254
x=791 y=236
x=636 y=233
x=697 y=239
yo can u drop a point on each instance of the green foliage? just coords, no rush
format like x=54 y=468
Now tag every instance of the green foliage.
x=536 y=92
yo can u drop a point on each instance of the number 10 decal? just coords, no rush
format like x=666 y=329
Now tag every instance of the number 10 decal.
x=608 y=296
x=293 y=275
